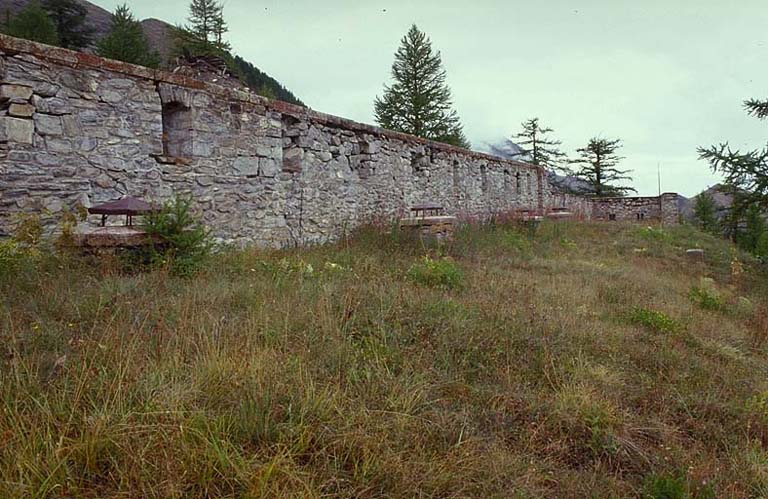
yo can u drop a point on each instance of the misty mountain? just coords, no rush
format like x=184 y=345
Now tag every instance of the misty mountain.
x=722 y=199
x=160 y=37
x=509 y=150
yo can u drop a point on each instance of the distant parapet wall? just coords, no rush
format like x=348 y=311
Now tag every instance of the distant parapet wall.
x=76 y=129
x=662 y=208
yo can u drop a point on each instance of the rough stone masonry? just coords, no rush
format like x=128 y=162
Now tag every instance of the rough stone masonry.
x=76 y=129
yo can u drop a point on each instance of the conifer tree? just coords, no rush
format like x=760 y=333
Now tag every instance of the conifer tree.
x=537 y=148
x=126 y=40
x=754 y=225
x=33 y=23
x=69 y=17
x=207 y=27
x=746 y=173
x=598 y=161
x=419 y=101
x=705 y=213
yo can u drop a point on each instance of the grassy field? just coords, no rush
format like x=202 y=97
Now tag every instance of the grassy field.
x=585 y=361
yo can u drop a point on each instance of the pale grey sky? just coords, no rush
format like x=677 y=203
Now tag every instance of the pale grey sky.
x=665 y=76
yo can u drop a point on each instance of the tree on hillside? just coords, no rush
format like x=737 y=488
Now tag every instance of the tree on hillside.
x=419 y=101
x=261 y=82
x=754 y=226
x=746 y=173
x=536 y=147
x=33 y=23
x=69 y=16
x=597 y=167
x=762 y=247
x=705 y=213
x=126 y=40
x=205 y=32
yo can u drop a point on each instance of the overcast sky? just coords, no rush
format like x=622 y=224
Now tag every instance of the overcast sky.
x=665 y=76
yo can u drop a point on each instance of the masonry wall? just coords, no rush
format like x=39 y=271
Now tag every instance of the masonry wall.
x=80 y=130
x=662 y=208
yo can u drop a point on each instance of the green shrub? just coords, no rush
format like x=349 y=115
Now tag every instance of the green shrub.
x=29 y=229
x=665 y=487
x=707 y=299
x=568 y=244
x=9 y=255
x=442 y=273
x=179 y=239
x=654 y=234
x=761 y=250
x=654 y=320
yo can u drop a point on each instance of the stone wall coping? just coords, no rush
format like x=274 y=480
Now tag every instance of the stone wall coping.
x=80 y=60
x=635 y=198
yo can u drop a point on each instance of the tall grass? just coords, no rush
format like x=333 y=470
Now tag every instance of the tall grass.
x=334 y=371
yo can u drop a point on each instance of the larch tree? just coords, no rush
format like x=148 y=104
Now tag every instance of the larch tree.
x=418 y=101
x=537 y=148
x=207 y=24
x=746 y=173
x=126 y=40
x=33 y=23
x=597 y=167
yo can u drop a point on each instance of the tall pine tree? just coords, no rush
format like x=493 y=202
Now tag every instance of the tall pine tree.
x=33 y=23
x=69 y=16
x=126 y=40
x=597 y=167
x=419 y=101
x=536 y=147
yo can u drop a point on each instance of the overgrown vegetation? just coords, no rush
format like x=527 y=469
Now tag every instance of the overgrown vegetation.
x=332 y=371
x=442 y=272
x=179 y=240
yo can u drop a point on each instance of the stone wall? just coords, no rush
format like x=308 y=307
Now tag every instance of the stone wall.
x=662 y=208
x=78 y=129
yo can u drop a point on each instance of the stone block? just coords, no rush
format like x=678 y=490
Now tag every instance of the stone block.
x=202 y=149
x=695 y=254
x=370 y=147
x=18 y=130
x=8 y=92
x=245 y=165
x=292 y=159
x=48 y=125
x=204 y=180
x=52 y=105
x=56 y=145
x=71 y=126
x=268 y=167
x=21 y=110
x=45 y=89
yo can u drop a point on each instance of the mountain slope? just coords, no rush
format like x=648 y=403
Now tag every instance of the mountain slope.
x=160 y=37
